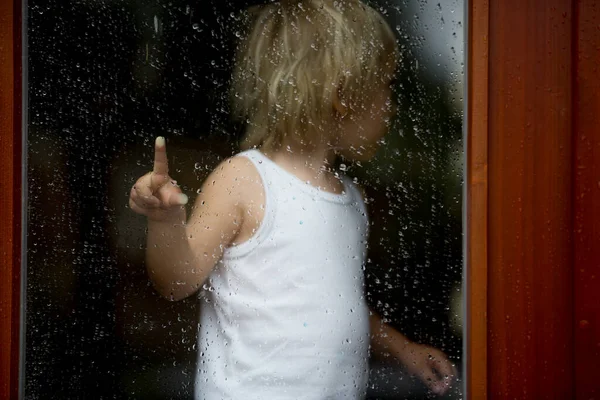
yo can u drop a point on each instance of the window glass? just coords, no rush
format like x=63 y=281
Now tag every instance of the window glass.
x=108 y=77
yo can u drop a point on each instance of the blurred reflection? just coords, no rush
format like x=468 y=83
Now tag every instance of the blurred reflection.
x=105 y=79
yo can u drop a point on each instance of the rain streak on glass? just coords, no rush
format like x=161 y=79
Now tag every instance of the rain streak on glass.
x=106 y=78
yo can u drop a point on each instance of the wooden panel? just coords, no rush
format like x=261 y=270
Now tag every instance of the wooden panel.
x=477 y=191
x=10 y=196
x=530 y=342
x=587 y=202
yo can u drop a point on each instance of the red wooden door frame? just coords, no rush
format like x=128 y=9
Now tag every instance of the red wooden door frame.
x=10 y=196
x=533 y=195
x=530 y=280
x=586 y=177
x=476 y=274
x=519 y=196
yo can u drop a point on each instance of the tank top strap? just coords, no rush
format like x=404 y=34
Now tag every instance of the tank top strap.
x=269 y=185
x=352 y=188
x=257 y=159
x=263 y=168
x=356 y=194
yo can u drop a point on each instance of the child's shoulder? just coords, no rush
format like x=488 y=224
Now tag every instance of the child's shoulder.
x=237 y=175
x=236 y=168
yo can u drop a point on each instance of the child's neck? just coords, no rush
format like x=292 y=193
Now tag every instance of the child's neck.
x=312 y=164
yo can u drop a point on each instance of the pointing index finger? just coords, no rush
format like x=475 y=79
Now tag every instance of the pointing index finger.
x=161 y=165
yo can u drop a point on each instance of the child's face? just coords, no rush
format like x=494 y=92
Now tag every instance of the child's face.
x=362 y=129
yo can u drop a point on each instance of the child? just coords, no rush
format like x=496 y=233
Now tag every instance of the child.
x=277 y=237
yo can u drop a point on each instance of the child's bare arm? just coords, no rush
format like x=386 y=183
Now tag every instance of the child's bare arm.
x=180 y=255
x=386 y=340
x=429 y=364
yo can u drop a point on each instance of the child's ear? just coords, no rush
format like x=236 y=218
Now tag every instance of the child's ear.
x=340 y=106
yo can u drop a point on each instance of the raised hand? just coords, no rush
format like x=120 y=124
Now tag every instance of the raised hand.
x=155 y=194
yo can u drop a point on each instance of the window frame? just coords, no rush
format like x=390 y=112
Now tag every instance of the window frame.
x=11 y=198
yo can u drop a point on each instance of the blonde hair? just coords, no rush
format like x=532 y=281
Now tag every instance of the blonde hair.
x=296 y=56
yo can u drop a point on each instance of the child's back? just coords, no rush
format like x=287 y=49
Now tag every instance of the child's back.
x=277 y=237
x=284 y=315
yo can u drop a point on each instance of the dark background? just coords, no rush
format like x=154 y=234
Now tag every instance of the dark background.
x=105 y=78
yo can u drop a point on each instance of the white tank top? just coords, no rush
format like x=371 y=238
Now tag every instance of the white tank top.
x=284 y=314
